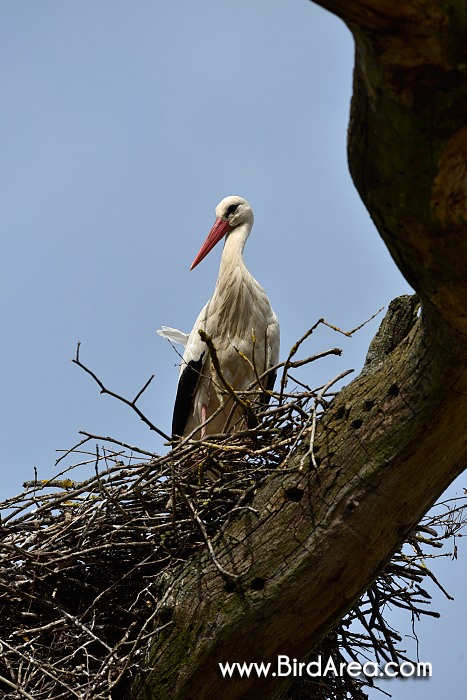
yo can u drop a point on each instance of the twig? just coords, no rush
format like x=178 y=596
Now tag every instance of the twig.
x=320 y=321
x=112 y=440
x=72 y=449
x=131 y=404
x=348 y=334
x=16 y=687
x=246 y=407
x=206 y=538
x=310 y=451
x=292 y=352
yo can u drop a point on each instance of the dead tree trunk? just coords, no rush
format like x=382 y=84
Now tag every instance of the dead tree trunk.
x=393 y=439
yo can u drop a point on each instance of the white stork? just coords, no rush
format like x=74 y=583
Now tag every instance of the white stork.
x=241 y=324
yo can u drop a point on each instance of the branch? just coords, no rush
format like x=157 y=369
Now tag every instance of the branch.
x=334 y=351
x=244 y=405
x=131 y=404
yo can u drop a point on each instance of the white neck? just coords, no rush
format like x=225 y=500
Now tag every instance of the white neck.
x=232 y=255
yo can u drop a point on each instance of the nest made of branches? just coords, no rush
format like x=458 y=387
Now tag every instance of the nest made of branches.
x=83 y=562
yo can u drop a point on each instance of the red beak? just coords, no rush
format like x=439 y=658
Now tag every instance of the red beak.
x=217 y=232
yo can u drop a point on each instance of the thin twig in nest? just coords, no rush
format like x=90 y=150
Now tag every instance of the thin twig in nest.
x=244 y=405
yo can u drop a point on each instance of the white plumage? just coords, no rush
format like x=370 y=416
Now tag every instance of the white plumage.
x=173 y=334
x=241 y=324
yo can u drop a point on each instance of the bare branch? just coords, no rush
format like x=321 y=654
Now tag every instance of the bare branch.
x=131 y=404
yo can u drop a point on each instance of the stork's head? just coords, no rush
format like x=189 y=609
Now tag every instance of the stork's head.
x=235 y=210
x=231 y=213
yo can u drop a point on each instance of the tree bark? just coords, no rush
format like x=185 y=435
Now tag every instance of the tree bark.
x=394 y=438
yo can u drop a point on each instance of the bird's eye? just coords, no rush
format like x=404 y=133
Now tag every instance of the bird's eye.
x=232 y=208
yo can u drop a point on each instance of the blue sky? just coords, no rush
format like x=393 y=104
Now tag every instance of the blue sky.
x=122 y=126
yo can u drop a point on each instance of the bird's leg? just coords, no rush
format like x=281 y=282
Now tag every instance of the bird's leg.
x=204 y=415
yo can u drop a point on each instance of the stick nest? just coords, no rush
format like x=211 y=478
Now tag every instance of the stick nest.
x=83 y=563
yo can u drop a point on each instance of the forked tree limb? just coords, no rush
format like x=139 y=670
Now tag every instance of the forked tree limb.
x=395 y=437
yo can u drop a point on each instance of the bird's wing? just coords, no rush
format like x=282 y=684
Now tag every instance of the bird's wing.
x=190 y=372
x=273 y=344
x=186 y=390
x=173 y=334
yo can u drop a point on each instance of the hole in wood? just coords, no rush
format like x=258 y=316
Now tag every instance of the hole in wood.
x=257 y=584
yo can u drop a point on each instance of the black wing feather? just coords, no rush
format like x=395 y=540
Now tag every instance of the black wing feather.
x=185 y=393
x=271 y=380
x=269 y=386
